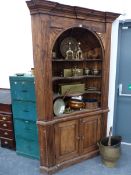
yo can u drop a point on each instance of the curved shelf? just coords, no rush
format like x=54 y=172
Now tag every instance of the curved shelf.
x=77 y=112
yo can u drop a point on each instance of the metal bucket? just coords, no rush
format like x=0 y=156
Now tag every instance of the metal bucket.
x=110 y=154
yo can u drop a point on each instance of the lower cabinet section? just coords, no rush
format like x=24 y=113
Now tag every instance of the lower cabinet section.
x=68 y=141
x=76 y=137
x=28 y=147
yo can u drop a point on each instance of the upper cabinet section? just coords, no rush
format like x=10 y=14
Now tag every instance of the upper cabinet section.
x=71 y=51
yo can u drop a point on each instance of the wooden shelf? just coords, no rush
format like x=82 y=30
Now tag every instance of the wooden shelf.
x=76 y=112
x=57 y=95
x=64 y=60
x=76 y=78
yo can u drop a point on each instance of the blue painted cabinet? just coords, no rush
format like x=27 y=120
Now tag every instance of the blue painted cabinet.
x=24 y=115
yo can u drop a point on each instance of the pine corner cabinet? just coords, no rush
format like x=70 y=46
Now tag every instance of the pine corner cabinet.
x=71 y=50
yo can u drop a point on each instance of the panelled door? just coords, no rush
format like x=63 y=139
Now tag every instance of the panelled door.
x=122 y=114
x=90 y=133
x=66 y=140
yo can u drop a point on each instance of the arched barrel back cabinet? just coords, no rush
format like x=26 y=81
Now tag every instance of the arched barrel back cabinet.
x=71 y=50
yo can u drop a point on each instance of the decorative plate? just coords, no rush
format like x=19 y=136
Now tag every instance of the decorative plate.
x=59 y=107
x=64 y=46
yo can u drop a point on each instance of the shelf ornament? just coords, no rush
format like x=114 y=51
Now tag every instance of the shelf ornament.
x=69 y=53
x=79 y=54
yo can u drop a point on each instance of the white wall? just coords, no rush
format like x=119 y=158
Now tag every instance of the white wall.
x=15 y=40
x=16 y=43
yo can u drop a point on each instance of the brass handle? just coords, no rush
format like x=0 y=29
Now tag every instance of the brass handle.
x=26 y=121
x=6 y=133
x=3 y=118
x=25 y=110
x=83 y=137
x=5 y=125
x=24 y=91
x=78 y=138
x=5 y=142
x=82 y=121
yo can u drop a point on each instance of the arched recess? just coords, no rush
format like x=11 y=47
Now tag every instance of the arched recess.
x=92 y=58
x=89 y=40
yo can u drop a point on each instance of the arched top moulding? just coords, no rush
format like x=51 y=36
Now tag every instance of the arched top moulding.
x=57 y=9
x=88 y=40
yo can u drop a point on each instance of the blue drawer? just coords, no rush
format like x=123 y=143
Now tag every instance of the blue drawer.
x=23 y=90
x=27 y=148
x=24 y=110
x=26 y=129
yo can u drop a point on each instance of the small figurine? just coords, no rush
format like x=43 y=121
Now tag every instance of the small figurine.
x=69 y=53
x=79 y=54
x=74 y=71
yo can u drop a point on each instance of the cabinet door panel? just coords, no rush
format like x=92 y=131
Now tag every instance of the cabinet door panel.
x=90 y=130
x=66 y=140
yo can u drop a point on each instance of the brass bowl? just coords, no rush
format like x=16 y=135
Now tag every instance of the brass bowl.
x=74 y=104
x=96 y=71
x=77 y=72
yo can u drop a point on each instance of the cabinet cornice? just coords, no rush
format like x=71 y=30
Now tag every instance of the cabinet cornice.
x=57 y=9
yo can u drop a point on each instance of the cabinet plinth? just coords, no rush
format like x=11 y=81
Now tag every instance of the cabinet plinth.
x=71 y=48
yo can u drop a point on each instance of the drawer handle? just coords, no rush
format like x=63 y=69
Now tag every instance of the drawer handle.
x=26 y=121
x=28 y=129
x=24 y=91
x=5 y=125
x=3 y=118
x=25 y=110
x=6 y=133
x=5 y=142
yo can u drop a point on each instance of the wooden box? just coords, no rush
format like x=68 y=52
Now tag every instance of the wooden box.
x=72 y=88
